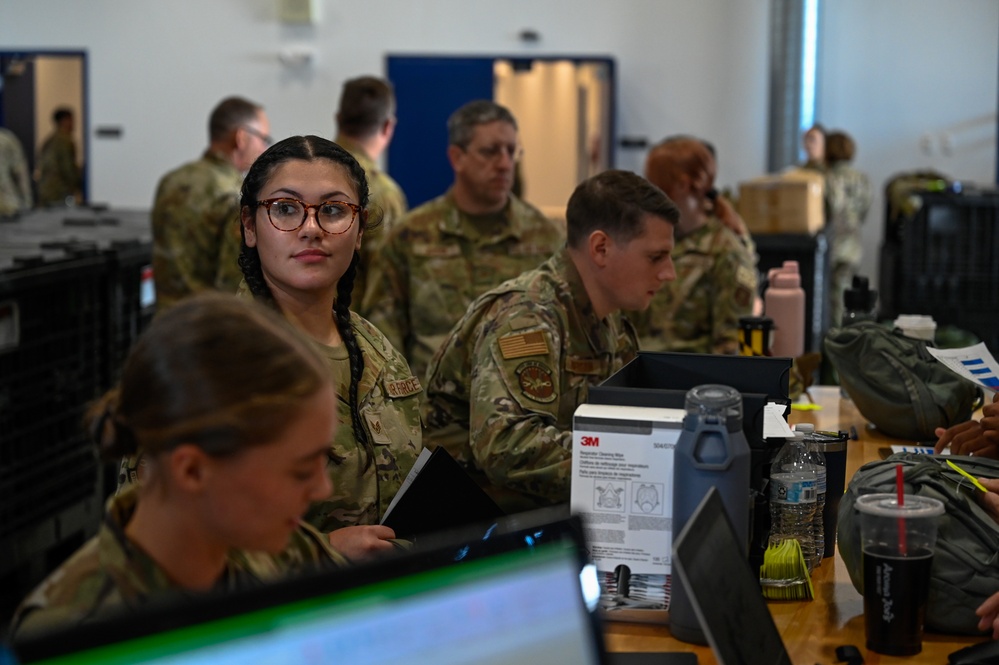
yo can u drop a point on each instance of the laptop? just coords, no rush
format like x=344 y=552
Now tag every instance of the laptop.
x=723 y=589
x=515 y=590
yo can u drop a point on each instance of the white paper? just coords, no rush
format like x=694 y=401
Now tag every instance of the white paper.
x=974 y=363
x=622 y=484
x=923 y=450
x=774 y=425
x=415 y=471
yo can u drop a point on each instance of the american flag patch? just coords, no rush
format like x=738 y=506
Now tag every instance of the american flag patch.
x=523 y=344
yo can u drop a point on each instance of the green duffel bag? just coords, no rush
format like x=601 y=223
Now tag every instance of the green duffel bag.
x=895 y=382
x=965 y=567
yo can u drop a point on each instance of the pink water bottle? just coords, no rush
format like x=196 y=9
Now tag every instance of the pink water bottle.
x=784 y=302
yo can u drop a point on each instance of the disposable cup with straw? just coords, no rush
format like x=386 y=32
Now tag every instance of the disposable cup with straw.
x=898 y=534
x=900 y=493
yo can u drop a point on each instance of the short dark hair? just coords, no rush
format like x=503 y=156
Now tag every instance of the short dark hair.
x=614 y=201
x=839 y=147
x=229 y=115
x=61 y=114
x=462 y=122
x=366 y=103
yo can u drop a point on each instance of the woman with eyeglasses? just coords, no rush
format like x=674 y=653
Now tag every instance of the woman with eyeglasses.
x=303 y=211
x=232 y=412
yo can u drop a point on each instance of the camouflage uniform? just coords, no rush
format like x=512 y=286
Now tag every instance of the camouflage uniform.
x=196 y=229
x=504 y=386
x=109 y=572
x=58 y=174
x=438 y=260
x=715 y=285
x=386 y=199
x=15 y=180
x=848 y=198
x=389 y=397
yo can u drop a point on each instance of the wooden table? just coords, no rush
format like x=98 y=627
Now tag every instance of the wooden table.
x=811 y=629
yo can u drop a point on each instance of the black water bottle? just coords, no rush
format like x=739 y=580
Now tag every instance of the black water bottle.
x=711 y=451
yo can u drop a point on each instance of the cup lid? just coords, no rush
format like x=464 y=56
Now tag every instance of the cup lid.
x=886 y=505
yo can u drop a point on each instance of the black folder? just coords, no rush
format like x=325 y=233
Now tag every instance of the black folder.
x=441 y=497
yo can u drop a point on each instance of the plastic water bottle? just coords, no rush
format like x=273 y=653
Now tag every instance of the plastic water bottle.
x=792 y=497
x=818 y=461
x=711 y=451
x=784 y=302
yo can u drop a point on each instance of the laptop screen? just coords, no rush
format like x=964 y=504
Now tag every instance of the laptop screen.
x=507 y=603
x=724 y=591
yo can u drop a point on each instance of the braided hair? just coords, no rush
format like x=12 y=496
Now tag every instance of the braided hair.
x=313 y=148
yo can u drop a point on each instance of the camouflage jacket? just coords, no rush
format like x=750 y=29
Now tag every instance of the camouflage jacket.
x=15 y=180
x=848 y=198
x=504 y=386
x=196 y=229
x=389 y=397
x=699 y=311
x=431 y=267
x=58 y=173
x=109 y=573
x=387 y=204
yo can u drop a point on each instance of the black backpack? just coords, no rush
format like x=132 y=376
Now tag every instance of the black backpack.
x=966 y=560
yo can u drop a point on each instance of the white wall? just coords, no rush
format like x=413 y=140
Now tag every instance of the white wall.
x=892 y=72
x=157 y=68
x=898 y=74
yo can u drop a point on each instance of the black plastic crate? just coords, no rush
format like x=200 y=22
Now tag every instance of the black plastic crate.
x=945 y=262
x=52 y=360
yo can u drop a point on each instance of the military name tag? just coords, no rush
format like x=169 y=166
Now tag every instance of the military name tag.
x=523 y=344
x=583 y=365
x=436 y=251
x=404 y=387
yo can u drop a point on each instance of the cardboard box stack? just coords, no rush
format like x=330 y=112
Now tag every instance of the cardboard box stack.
x=789 y=202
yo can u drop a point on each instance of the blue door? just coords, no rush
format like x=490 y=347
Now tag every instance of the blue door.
x=427 y=91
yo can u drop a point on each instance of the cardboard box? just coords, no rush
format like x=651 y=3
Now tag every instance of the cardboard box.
x=790 y=202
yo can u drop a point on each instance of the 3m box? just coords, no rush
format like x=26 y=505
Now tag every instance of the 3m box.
x=622 y=490
x=790 y=202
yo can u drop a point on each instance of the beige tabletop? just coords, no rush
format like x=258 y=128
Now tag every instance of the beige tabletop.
x=811 y=629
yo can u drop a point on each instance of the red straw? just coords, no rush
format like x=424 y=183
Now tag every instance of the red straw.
x=900 y=489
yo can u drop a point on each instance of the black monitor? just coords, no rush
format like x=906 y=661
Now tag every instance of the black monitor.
x=517 y=590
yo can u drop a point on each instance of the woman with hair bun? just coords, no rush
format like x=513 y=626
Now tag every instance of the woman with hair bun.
x=232 y=413
x=303 y=210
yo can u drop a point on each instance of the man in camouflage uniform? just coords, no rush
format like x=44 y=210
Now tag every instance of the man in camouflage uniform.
x=503 y=388
x=365 y=124
x=848 y=198
x=110 y=573
x=15 y=180
x=196 y=213
x=716 y=279
x=58 y=172
x=447 y=252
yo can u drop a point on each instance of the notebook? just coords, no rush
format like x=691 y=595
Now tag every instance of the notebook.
x=513 y=591
x=724 y=591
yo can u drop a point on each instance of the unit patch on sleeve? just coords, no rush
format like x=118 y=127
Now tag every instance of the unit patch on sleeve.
x=536 y=381
x=519 y=345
